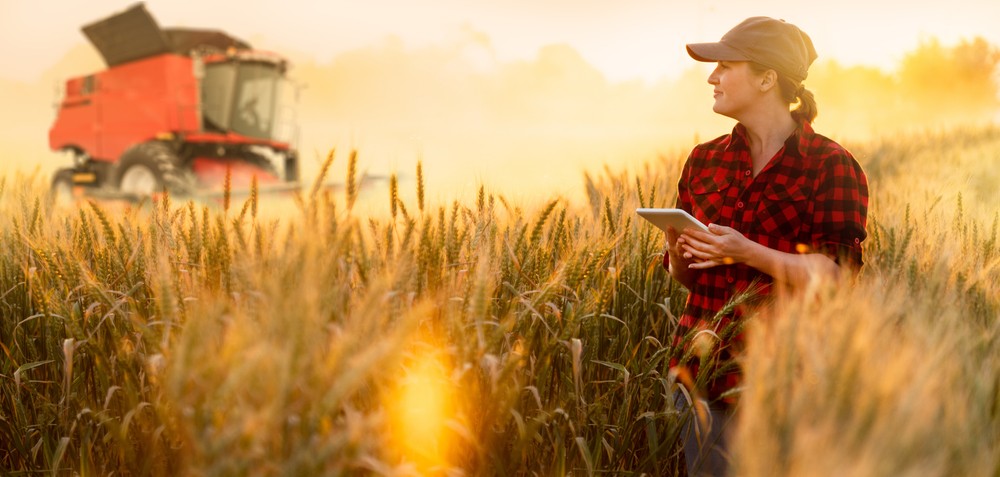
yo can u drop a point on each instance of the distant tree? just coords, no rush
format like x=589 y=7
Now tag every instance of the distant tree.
x=976 y=63
x=953 y=83
x=854 y=100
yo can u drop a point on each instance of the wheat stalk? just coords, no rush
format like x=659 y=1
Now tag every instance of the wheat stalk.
x=323 y=170
x=420 y=186
x=352 y=185
x=393 y=195
x=228 y=186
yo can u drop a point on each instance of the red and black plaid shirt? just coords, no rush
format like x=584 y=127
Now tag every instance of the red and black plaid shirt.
x=811 y=197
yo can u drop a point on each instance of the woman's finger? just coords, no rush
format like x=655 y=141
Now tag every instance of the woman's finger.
x=704 y=264
x=698 y=253
x=698 y=234
x=717 y=229
x=702 y=246
x=697 y=242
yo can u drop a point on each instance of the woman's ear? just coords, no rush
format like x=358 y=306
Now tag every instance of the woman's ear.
x=768 y=80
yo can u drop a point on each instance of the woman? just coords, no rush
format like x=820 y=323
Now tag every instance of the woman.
x=783 y=204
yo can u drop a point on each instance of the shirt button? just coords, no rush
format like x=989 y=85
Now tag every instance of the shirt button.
x=729 y=280
x=747 y=173
x=739 y=205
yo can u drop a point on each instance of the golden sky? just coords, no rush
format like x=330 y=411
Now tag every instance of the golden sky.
x=624 y=39
x=522 y=95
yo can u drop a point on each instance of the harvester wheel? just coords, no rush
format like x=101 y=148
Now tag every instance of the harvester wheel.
x=151 y=167
x=61 y=190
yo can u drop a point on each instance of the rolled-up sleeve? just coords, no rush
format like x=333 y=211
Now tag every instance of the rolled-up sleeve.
x=841 y=210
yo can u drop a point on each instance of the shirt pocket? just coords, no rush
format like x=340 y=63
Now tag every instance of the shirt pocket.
x=708 y=194
x=783 y=210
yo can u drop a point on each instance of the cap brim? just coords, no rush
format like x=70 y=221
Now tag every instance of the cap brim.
x=710 y=52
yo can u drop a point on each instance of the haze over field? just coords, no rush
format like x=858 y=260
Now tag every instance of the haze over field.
x=530 y=329
x=523 y=97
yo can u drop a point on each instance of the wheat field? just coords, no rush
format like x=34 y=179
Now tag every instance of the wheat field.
x=486 y=338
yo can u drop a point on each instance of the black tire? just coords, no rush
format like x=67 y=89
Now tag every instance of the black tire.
x=157 y=167
x=291 y=166
x=61 y=189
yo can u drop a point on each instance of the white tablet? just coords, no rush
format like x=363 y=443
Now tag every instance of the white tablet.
x=677 y=218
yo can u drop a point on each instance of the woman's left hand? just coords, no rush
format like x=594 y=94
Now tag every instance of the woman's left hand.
x=719 y=246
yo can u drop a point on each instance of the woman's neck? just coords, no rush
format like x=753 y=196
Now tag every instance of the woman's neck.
x=766 y=134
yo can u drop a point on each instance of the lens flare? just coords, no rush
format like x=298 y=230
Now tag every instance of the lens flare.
x=420 y=409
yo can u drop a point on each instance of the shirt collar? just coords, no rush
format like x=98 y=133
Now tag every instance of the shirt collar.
x=796 y=144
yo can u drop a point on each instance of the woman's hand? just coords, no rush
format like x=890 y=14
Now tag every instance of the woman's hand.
x=719 y=246
x=672 y=237
x=680 y=267
x=675 y=247
x=725 y=246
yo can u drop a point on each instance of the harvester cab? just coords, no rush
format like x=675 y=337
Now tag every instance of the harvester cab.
x=181 y=110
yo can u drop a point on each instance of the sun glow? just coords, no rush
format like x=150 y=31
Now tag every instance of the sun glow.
x=420 y=410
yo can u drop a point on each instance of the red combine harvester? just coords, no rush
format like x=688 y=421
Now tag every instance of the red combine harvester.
x=176 y=109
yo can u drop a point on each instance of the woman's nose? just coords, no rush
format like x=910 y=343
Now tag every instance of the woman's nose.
x=713 y=77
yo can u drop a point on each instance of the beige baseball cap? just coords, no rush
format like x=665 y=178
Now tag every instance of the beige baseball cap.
x=776 y=44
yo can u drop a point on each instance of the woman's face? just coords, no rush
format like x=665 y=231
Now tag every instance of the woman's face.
x=736 y=88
